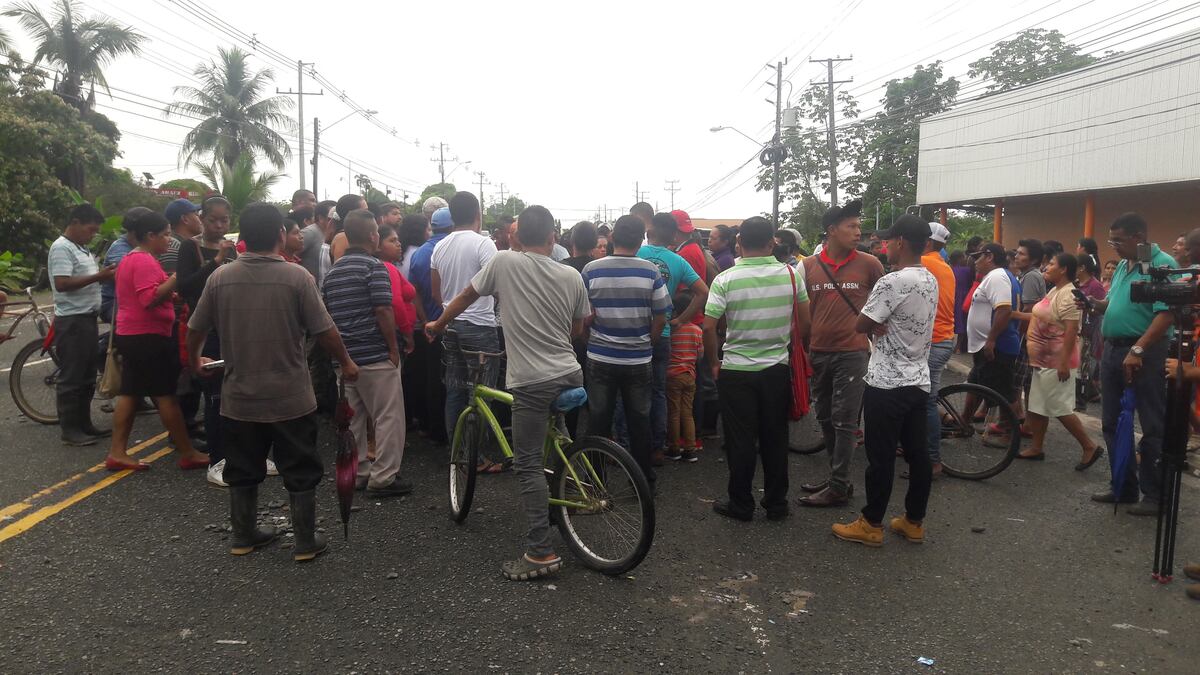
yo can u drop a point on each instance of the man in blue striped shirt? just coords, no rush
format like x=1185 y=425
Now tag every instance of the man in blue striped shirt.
x=358 y=295
x=630 y=302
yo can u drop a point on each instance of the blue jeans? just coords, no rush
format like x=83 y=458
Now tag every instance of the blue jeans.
x=939 y=356
x=472 y=338
x=658 y=400
x=632 y=385
x=1150 y=386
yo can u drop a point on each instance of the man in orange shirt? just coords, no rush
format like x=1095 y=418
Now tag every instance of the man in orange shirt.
x=943 y=334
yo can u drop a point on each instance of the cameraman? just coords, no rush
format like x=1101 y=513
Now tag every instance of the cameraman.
x=1136 y=337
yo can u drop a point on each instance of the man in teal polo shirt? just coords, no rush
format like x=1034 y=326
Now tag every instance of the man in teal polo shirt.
x=1136 y=338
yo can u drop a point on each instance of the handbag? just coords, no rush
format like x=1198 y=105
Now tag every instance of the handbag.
x=110 y=382
x=801 y=369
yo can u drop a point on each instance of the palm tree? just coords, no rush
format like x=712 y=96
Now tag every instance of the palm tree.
x=238 y=183
x=77 y=46
x=235 y=118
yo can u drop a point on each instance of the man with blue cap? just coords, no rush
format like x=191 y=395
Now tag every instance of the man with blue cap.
x=420 y=275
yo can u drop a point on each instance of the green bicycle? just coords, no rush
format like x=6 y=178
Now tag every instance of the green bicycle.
x=599 y=498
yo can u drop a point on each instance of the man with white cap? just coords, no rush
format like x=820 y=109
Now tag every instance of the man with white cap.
x=431 y=205
x=943 y=334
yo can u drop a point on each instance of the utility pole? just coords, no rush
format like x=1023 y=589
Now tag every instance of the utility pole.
x=482 y=175
x=441 y=159
x=829 y=101
x=777 y=154
x=672 y=189
x=299 y=94
x=503 y=202
x=316 y=152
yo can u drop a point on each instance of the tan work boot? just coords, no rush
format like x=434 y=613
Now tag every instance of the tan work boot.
x=860 y=531
x=914 y=532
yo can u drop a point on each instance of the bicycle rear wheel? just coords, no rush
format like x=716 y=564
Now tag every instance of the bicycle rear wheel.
x=611 y=527
x=976 y=443
x=32 y=382
x=464 y=460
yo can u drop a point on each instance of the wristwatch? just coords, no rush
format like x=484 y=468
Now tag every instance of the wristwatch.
x=1137 y=351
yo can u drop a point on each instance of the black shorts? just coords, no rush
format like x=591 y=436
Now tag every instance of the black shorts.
x=149 y=364
x=996 y=374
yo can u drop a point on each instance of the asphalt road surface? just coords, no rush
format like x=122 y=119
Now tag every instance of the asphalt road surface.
x=131 y=573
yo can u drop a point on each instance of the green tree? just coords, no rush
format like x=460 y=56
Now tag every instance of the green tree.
x=513 y=206
x=239 y=183
x=237 y=118
x=443 y=190
x=804 y=178
x=888 y=161
x=42 y=141
x=1034 y=54
x=963 y=226
x=78 y=47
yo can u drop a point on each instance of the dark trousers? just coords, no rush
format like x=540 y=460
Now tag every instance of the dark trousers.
x=75 y=340
x=894 y=417
x=633 y=384
x=293 y=444
x=324 y=379
x=214 y=424
x=1150 y=386
x=658 y=400
x=754 y=410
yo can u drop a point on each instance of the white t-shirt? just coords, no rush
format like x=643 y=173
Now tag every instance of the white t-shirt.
x=905 y=301
x=994 y=291
x=457 y=259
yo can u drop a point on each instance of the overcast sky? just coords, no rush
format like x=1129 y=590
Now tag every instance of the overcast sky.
x=568 y=107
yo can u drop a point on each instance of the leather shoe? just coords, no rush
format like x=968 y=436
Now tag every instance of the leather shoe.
x=815 y=487
x=1107 y=497
x=778 y=514
x=830 y=496
x=724 y=508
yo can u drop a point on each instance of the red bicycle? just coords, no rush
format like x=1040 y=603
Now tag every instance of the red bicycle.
x=35 y=369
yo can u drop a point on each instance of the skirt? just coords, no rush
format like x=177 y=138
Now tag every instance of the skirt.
x=149 y=364
x=1050 y=397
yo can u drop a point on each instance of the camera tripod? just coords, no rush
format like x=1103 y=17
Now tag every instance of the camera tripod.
x=1174 y=452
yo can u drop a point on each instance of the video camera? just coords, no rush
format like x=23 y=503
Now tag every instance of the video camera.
x=1162 y=287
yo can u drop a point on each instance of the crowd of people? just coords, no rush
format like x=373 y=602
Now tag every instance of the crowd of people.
x=669 y=331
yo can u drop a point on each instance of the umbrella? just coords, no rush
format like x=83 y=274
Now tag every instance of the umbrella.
x=1122 y=450
x=346 y=465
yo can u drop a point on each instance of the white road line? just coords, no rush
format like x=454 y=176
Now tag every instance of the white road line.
x=28 y=363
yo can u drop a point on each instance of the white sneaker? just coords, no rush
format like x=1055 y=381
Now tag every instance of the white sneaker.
x=216 y=474
x=271 y=468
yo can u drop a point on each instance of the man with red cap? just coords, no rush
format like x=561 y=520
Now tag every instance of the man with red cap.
x=687 y=246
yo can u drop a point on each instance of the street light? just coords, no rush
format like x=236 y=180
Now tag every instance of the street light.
x=317 y=142
x=746 y=136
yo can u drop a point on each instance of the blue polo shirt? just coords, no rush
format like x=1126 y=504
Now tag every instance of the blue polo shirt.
x=1125 y=319
x=674 y=270
x=419 y=271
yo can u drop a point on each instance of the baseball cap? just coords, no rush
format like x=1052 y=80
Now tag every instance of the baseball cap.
x=789 y=234
x=907 y=227
x=997 y=251
x=441 y=219
x=939 y=233
x=836 y=214
x=179 y=208
x=683 y=221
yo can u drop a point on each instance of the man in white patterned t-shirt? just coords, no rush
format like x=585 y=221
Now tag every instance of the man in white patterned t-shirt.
x=900 y=312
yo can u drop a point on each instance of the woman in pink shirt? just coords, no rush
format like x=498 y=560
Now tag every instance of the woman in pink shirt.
x=142 y=338
x=404 y=294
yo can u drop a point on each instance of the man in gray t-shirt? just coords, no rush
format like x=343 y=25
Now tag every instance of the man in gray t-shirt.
x=544 y=306
x=1028 y=262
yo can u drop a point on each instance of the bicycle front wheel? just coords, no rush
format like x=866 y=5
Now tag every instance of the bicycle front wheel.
x=980 y=433
x=464 y=460
x=32 y=382
x=609 y=522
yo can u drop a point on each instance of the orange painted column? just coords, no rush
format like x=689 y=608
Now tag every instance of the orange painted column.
x=998 y=222
x=942 y=216
x=1089 y=216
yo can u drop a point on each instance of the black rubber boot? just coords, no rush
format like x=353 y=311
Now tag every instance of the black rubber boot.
x=72 y=426
x=243 y=513
x=309 y=544
x=85 y=415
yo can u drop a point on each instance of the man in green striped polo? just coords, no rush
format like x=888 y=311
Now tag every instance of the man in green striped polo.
x=754 y=300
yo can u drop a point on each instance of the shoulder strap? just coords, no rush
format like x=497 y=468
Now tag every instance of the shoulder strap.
x=836 y=285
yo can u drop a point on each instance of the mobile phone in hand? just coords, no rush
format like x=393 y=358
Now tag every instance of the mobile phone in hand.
x=1079 y=295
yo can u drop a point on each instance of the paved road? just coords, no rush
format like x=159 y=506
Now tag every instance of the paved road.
x=134 y=575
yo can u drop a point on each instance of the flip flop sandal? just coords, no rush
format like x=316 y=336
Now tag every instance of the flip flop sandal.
x=1040 y=457
x=524 y=569
x=1083 y=466
x=487 y=466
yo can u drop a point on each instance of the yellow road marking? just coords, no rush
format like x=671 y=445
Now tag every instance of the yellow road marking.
x=45 y=512
x=27 y=503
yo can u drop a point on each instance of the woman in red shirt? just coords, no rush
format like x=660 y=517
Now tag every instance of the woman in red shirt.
x=404 y=294
x=142 y=337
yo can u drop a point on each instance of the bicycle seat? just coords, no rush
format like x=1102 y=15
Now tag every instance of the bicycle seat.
x=571 y=399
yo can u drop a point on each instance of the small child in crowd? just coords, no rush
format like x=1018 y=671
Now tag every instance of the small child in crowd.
x=687 y=344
